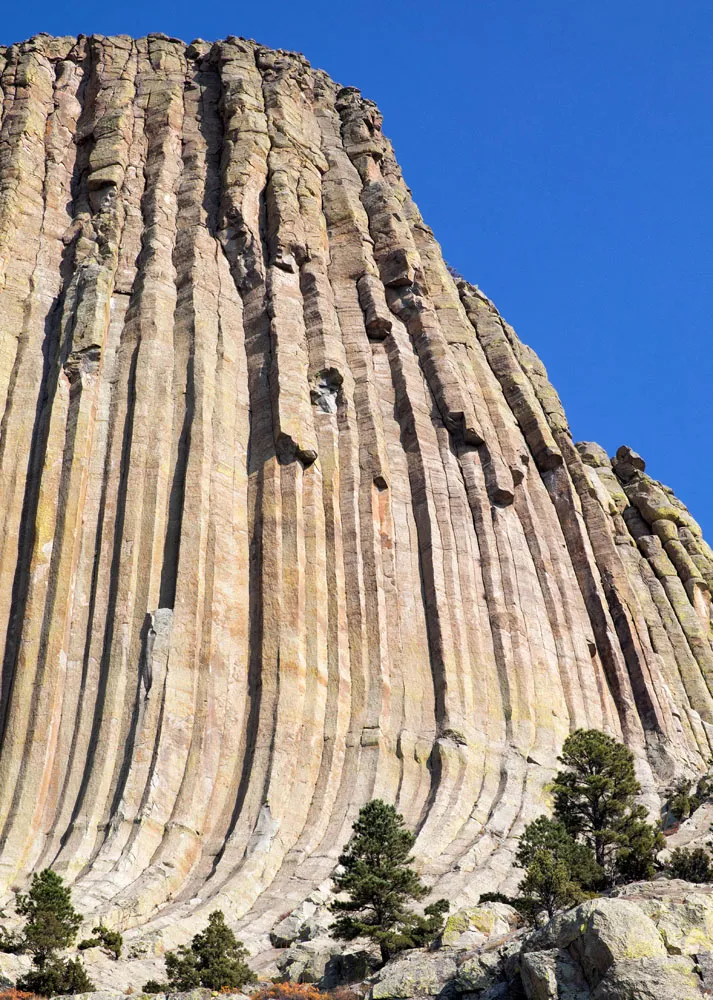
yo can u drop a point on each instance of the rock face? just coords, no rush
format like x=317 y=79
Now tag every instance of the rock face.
x=621 y=949
x=653 y=943
x=289 y=517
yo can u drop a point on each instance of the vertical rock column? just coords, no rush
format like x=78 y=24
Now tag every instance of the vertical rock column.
x=289 y=517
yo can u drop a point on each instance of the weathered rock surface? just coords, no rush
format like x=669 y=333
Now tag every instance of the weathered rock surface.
x=416 y=974
x=652 y=941
x=613 y=948
x=474 y=925
x=289 y=518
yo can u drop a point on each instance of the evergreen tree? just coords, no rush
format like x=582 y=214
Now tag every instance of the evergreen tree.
x=550 y=835
x=558 y=870
x=378 y=876
x=58 y=976
x=548 y=885
x=52 y=925
x=640 y=842
x=691 y=865
x=52 y=921
x=595 y=799
x=111 y=941
x=214 y=960
x=599 y=834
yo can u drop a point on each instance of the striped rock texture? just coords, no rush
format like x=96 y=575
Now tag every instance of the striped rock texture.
x=290 y=518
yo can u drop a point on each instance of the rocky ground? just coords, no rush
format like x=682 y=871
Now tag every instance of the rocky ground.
x=646 y=941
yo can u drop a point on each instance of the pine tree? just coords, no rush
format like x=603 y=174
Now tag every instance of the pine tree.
x=52 y=921
x=548 y=885
x=558 y=870
x=214 y=960
x=545 y=834
x=639 y=844
x=595 y=799
x=52 y=925
x=377 y=874
x=599 y=834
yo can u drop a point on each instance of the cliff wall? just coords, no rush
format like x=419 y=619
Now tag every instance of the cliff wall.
x=289 y=517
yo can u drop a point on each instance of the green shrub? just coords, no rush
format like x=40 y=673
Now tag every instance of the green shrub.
x=111 y=941
x=154 y=986
x=681 y=803
x=11 y=943
x=687 y=798
x=57 y=976
x=691 y=865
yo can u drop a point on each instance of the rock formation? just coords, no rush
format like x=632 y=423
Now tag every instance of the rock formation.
x=652 y=943
x=649 y=941
x=290 y=518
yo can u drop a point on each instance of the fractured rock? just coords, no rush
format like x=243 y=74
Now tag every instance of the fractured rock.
x=289 y=516
x=415 y=974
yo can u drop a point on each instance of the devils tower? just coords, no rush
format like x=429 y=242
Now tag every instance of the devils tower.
x=290 y=517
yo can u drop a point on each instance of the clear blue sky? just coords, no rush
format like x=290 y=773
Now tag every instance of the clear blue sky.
x=562 y=150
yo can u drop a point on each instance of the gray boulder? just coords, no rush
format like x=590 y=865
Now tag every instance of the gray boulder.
x=669 y=978
x=307 y=921
x=553 y=975
x=473 y=926
x=415 y=974
x=306 y=961
x=353 y=965
x=621 y=949
x=603 y=931
x=479 y=972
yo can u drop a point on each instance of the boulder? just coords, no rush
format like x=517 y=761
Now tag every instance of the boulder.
x=317 y=925
x=552 y=975
x=306 y=961
x=479 y=972
x=306 y=922
x=415 y=974
x=704 y=968
x=287 y=930
x=653 y=942
x=668 y=978
x=603 y=931
x=684 y=920
x=115 y=995
x=353 y=965
x=473 y=926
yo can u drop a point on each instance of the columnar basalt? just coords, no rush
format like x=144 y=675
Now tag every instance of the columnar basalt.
x=289 y=517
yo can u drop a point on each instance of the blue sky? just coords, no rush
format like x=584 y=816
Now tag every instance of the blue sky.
x=563 y=154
